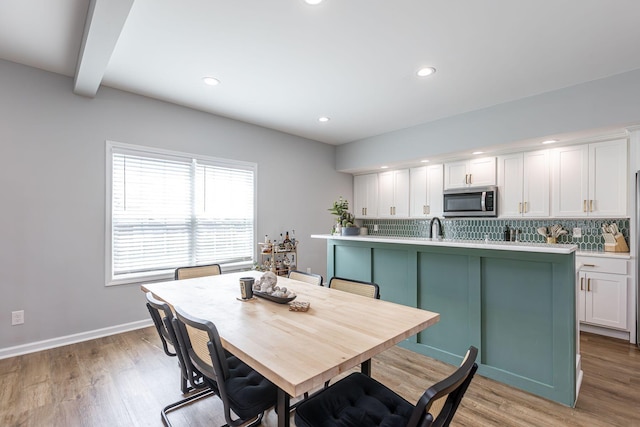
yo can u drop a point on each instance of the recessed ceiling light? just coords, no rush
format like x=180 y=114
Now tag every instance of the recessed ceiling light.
x=384 y=167
x=550 y=141
x=324 y=119
x=211 y=81
x=477 y=152
x=313 y=2
x=424 y=161
x=424 y=72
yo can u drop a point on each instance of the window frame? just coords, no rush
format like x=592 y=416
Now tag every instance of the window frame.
x=168 y=274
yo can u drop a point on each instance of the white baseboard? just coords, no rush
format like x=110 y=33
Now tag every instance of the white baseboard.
x=613 y=333
x=72 y=339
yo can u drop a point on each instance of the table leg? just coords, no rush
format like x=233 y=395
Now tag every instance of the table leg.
x=365 y=367
x=283 y=407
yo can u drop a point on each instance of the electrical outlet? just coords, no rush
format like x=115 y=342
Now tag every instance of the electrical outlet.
x=577 y=232
x=309 y=270
x=375 y=227
x=17 y=317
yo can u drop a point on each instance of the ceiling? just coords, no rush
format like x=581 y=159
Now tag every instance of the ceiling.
x=283 y=64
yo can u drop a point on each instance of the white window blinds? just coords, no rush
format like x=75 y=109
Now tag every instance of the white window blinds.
x=171 y=210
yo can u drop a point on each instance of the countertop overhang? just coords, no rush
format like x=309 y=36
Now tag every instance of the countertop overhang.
x=555 y=248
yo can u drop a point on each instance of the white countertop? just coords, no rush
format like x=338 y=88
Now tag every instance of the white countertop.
x=498 y=245
x=601 y=254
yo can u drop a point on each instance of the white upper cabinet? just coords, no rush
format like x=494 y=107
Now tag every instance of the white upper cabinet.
x=590 y=180
x=393 y=194
x=365 y=195
x=608 y=178
x=523 y=185
x=470 y=173
x=426 y=183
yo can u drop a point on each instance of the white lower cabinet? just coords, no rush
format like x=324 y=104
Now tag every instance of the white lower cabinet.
x=602 y=292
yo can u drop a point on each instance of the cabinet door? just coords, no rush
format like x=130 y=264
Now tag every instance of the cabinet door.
x=418 y=192
x=401 y=193
x=608 y=178
x=606 y=300
x=455 y=175
x=570 y=180
x=434 y=190
x=510 y=173
x=385 y=194
x=581 y=297
x=365 y=195
x=482 y=171
x=535 y=184
x=393 y=194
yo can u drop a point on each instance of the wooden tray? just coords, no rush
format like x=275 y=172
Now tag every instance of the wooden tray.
x=279 y=300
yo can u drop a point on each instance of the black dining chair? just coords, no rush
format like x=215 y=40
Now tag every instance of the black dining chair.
x=241 y=389
x=359 y=287
x=191 y=382
x=311 y=278
x=197 y=271
x=361 y=401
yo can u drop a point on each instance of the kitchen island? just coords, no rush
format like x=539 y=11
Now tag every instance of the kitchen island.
x=514 y=301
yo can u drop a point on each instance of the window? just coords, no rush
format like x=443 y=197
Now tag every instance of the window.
x=167 y=209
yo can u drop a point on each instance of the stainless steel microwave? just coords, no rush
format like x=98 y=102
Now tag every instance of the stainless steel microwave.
x=470 y=202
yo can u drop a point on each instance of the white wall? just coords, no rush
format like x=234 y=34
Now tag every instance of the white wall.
x=612 y=102
x=52 y=195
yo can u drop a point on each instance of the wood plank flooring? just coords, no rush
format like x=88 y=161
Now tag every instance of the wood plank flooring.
x=125 y=380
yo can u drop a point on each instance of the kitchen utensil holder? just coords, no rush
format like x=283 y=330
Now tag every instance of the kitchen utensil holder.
x=615 y=243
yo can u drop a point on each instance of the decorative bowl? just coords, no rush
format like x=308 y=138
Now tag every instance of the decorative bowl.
x=279 y=300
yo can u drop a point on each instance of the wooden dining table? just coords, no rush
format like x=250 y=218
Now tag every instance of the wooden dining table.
x=297 y=351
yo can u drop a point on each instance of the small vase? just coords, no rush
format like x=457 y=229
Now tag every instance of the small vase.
x=552 y=240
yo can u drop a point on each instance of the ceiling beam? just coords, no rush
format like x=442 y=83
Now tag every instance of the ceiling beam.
x=105 y=21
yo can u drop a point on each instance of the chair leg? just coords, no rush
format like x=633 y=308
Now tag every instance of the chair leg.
x=257 y=421
x=192 y=398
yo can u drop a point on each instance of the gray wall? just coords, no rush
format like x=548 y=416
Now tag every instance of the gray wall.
x=613 y=102
x=52 y=175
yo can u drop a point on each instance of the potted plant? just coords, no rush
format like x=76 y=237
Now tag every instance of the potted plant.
x=345 y=221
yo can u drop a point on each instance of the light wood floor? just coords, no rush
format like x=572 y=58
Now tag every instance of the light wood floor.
x=124 y=380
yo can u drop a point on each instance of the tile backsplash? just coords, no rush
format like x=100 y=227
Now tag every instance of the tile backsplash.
x=480 y=228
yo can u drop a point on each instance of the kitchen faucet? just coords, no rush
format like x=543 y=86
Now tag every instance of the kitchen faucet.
x=437 y=220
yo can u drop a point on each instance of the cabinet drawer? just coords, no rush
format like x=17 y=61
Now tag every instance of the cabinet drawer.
x=603 y=265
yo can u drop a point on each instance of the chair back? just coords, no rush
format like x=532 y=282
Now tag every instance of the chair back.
x=440 y=401
x=367 y=289
x=197 y=271
x=196 y=336
x=161 y=315
x=164 y=321
x=314 y=279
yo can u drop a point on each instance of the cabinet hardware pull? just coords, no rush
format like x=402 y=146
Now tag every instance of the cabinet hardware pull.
x=394 y=210
x=428 y=209
x=525 y=208
x=466 y=178
x=584 y=206
x=520 y=207
x=470 y=179
x=590 y=205
x=588 y=285
x=582 y=283
x=589 y=265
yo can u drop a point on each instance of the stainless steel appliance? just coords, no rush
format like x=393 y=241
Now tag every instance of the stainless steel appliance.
x=471 y=202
